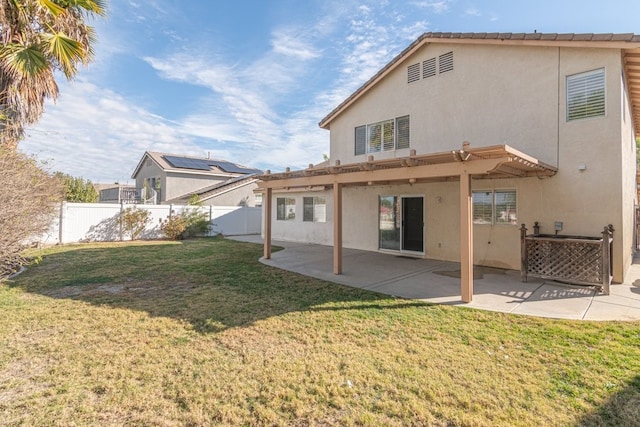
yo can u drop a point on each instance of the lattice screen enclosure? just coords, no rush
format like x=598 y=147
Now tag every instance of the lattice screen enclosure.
x=578 y=260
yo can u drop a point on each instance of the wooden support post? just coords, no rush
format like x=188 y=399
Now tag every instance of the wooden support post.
x=524 y=257
x=466 y=237
x=607 y=235
x=337 y=228
x=266 y=203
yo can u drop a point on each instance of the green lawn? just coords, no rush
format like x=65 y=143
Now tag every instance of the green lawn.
x=200 y=333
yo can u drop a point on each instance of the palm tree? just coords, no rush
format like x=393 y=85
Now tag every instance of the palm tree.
x=39 y=37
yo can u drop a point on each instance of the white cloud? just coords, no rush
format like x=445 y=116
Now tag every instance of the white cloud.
x=436 y=6
x=97 y=134
x=290 y=44
x=472 y=12
x=239 y=116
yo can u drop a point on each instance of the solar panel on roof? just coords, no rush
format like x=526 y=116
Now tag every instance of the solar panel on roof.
x=205 y=165
x=186 y=163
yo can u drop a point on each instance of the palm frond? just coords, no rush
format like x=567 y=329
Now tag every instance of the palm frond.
x=67 y=51
x=23 y=60
x=52 y=7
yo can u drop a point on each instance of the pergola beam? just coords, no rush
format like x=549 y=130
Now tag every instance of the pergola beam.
x=441 y=170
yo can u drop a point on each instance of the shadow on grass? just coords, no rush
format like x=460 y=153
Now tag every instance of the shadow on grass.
x=622 y=409
x=212 y=283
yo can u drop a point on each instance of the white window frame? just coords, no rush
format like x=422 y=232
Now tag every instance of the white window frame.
x=289 y=210
x=508 y=217
x=318 y=209
x=377 y=138
x=573 y=91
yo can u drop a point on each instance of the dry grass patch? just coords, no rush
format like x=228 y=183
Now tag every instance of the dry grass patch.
x=200 y=333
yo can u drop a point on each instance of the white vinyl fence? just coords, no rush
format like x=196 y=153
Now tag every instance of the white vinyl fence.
x=91 y=222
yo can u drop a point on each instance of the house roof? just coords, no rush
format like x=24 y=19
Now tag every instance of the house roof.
x=209 y=191
x=194 y=165
x=629 y=43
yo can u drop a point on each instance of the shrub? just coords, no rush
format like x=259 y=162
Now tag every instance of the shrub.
x=189 y=223
x=173 y=227
x=134 y=220
x=29 y=196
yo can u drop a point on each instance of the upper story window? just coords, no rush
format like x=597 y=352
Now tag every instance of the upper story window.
x=387 y=135
x=585 y=95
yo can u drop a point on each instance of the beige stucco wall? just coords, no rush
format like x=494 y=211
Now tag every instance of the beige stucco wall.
x=237 y=196
x=149 y=169
x=510 y=95
x=297 y=230
x=178 y=184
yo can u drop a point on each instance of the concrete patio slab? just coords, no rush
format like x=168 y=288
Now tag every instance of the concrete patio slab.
x=438 y=282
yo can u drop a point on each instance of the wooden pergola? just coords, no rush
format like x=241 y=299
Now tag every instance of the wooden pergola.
x=500 y=161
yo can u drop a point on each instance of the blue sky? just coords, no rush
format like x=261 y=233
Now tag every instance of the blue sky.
x=248 y=81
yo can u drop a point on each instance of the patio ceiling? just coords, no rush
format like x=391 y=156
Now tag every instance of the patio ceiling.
x=499 y=161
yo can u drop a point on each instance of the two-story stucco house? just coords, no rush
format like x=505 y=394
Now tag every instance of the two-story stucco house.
x=462 y=138
x=171 y=178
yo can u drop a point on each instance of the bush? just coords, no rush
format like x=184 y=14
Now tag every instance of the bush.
x=134 y=220
x=29 y=196
x=189 y=223
x=173 y=227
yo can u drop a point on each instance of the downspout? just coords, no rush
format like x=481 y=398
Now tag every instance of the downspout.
x=558 y=117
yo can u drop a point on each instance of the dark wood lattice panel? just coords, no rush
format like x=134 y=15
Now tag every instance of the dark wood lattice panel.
x=571 y=261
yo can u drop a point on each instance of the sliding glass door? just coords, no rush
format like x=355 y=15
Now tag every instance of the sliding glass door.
x=401 y=223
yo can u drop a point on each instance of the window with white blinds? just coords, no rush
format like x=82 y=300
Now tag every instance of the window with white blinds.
x=387 y=135
x=314 y=209
x=586 y=95
x=285 y=208
x=495 y=207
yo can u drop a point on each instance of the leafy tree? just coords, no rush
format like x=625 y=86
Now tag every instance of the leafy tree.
x=39 y=37
x=194 y=200
x=77 y=189
x=134 y=220
x=28 y=199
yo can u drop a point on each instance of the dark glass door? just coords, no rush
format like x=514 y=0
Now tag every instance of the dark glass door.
x=413 y=224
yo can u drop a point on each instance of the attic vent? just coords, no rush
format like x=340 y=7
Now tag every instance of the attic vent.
x=413 y=73
x=429 y=68
x=147 y=163
x=446 y=62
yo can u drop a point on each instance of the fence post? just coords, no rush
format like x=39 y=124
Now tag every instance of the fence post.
x=120 y=219
x=61 y=222
x=524 y=265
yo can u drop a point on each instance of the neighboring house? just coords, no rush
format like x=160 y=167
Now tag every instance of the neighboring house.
x=551 y=121
x=173 y=179
x=117 y=193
